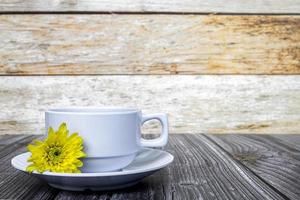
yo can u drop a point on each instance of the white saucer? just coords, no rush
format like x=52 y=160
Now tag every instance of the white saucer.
x=146 y=163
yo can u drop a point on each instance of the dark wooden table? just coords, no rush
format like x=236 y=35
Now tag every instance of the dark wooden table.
x=205 y=167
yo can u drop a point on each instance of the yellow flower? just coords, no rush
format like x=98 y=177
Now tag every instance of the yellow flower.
x=57 y=153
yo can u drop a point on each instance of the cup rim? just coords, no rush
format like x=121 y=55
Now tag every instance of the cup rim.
x=92 y=110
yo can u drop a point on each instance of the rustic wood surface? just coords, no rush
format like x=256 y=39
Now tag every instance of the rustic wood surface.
x=173 y=6
x=271 y=158
x=210 y=104
x=149 y=44
x=204 y=168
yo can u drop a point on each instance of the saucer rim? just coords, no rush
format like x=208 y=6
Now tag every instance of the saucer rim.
x=97 y=174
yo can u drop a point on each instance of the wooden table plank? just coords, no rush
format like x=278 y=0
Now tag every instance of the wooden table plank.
x=10 y=149
x=201 y=169
x=10 y=139
x=149 y=44
x=289 y=139
x=6 y=140
x=145 y=6
x=273 y=159
x=14 y=184
x=193 y=176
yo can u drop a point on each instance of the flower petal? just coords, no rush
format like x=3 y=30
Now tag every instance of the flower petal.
x=30 y=168
x=57 y=153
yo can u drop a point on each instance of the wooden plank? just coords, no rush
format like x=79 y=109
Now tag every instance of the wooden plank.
x=277 y=162
x=6 y=140
x=10 y=139
x=209 y=104
x=200 y=170
x=9 y=148
x=17 y=185
x=7 y=153
x=149 y=44
x=173 y=6
x=291 y=140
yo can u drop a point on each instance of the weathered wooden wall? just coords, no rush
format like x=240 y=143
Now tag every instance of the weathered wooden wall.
x=210 y=104
x=149 y=44
x=146 y=6
x=234 y=72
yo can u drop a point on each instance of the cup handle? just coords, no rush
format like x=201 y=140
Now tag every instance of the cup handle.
x=163 y=139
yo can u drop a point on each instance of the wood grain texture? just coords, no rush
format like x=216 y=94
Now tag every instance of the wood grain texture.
x=290 y=140
x=149 y=44
x=17 y=185
x=276 y=161
x=207 y=104
x=201 y=170
x=174 y=6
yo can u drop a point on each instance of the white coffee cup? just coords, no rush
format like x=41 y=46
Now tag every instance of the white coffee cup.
x=111 y=136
